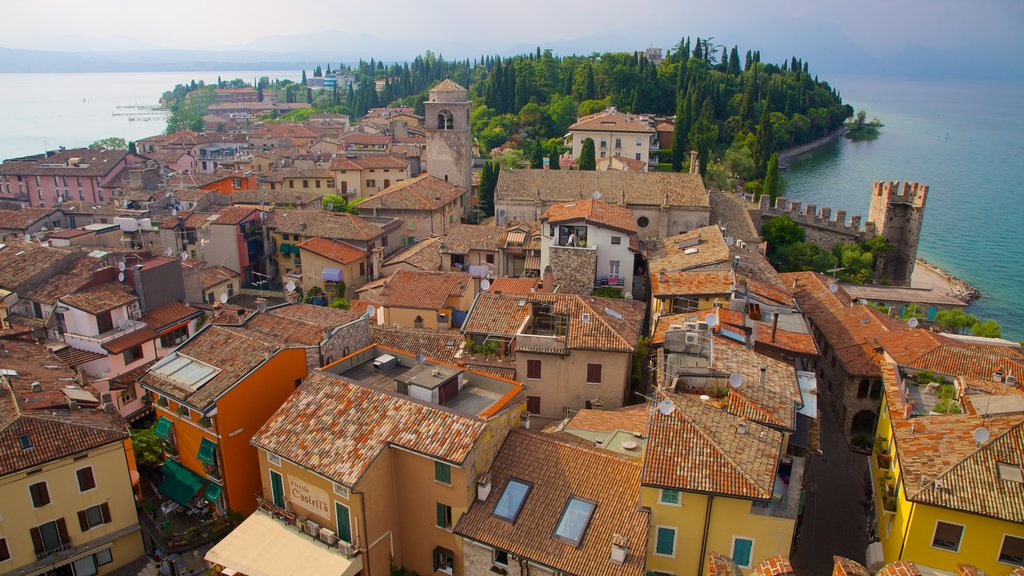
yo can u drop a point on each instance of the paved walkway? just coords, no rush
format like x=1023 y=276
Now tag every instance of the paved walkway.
x=834 y=520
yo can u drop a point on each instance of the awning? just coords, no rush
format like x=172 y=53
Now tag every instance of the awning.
x=332 y=275
x=212 y=493
x=286 y=249
x=262 y=546
x=163 y=428
x=180 y=484
x=207 y=449
x=532 y=263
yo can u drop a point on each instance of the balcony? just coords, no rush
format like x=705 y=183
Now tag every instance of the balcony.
x=95 y=343
x=785 y=501
x=50 y=553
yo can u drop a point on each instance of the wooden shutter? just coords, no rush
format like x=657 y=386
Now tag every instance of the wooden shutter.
x=5 y=554
x=62 y=531
x=86 y=481
x=83 y=520
x=533 y=404
x=105 y=512
x=37 y=539
x=594 y=373
x=40 y=495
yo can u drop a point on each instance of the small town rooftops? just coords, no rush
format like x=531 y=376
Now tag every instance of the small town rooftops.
x=101 y=298
x=75 y=162
x=19 y=220
x=611 y=120
x=673 y=189
x=592 y=211
x=434 y=343
x=424 y=290
x=332 y=225
x=465 y=237
x=335 y=251
x=22 y=264
x=424 y=255
x=425 y=192
x=695 y=249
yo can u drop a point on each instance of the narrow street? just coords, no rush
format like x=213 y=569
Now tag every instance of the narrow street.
x=834 y=519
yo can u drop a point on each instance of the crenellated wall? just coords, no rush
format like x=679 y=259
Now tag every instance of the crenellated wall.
x=898 y=211
x=820 y=226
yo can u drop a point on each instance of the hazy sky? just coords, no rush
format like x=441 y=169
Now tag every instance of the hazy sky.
x=877 y=27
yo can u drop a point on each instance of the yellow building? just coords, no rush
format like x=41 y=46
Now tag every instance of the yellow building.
x=426 y=299
x=330 y=265
x=363 y=176
x=66 y=472
x=946 y=472
x=378 y=456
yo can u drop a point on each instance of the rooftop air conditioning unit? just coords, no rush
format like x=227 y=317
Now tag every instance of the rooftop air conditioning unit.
x=346 y=548
x=690 y=326
x=311 y=528
x=692 y=339
x=702 y=325
x=328 y=537
x=674 y=327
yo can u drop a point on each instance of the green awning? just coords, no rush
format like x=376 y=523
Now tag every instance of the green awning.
x=163 y=428
x=207 y=449
x=212 y=493
x=180 y=484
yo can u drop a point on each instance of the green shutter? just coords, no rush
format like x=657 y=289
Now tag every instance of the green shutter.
x=666 y=541
x=344 y=527
x=442 y=520
x=277 y=487
x=207 y=450
x=163 y=428
x=741 y=548
x=442 y=472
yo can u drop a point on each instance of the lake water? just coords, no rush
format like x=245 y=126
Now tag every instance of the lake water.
x=963 y=141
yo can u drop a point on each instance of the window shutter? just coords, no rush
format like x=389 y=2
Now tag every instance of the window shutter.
x=105 y=510
x=62 y=531
x=37 y=539
x=86 y=481
x=440 y=515
x=83 y=520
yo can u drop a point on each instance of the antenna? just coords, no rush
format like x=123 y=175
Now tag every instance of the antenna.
x=597 y=194
x=223 y=298
x=729 y=241
x=485 y=284
x=833 y=287
x=420 y=358
x=735 y=379
x=913 y=322
x=981 y=435
x=666 y=407
x=184 y=255
x=168 y=251
x=712 y=320
x=370 y=311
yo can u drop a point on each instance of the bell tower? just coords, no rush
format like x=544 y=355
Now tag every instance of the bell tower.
x=449 y=140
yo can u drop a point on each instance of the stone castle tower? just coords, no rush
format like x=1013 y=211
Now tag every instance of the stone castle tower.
x=897 y=214
x=449 y=142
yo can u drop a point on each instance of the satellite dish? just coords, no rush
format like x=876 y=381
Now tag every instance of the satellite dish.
x=712 y=320
x=833 y=287
x=370 y=311
x=729 y=241
x=862 y=301
x=184 y=255
x=120 y=276
x=290 y=286
x=666 y=407
x=485 y=284
x=981 y=435
x=420 y=358
x=169 y=251
x=735 y=379
x=913 y=322
x=704 y=397
x=597 y=194
x=223 y=298
x=120 y=266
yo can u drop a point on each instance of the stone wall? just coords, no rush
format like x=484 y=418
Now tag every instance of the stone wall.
x=477 y=560
x=575 y=269
x=819 y=225
x=349 y=338
x=898 y=212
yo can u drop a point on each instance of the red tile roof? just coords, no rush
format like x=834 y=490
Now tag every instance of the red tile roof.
x=433 y=343
x=216 y=275
x=382 y=162
x=23 y=218
x=424 y=290
x=233 y=215
x=101 y=298
x=169 y=314
x=593 y=211
x=611 y=120
x=973 y=361
x=134 y=338
x=425 y=192
x=721 y=565
x=513 y=285
x=336 y=251
x=67 y=282
x=333 y=225
x=899 y=568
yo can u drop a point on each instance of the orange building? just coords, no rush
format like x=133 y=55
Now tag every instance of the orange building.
x=231 y=182
x=212 y=394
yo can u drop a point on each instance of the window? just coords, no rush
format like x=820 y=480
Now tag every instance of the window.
x=291 y=183
x=40 y=494
x=1010 y=472
x=593 y=373
x=174 y=337
x=573 y=523
x=442 y=473
x=410 y=223
x=94 y=516
x=533 y=404
x=5 y=554
x=500 y=558
x=387 y=182
x=86 y=481
x=862 y=389
x=643 y=221
x=511 y=501
x=305 y=183
x=669 y=497
x=1012 y=550
x=277 y=489
x=362 y=268
x=132 y=354
x=489 y=258
x=85 y=566
x=25 y=441
x=533 y=369
x=371 y=183
x=103 y=557
x=618 y=142
x=344 y=525
x=637 y=155
x=444 y=515
x=947 y=536
x=613 y=267
x=742 y=551
x=50 y=537
x=616 y=240
x=665 y=543
x=444 y=560
x=104 y=322
x=317 y=183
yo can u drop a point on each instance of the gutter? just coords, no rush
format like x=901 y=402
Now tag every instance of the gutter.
x=704 y=539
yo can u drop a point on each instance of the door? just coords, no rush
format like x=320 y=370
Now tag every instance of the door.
x=344 y=526
x=277 y=487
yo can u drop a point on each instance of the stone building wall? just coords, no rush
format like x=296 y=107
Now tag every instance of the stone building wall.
x=349 y=338
x=898 y=212
x=575 y=269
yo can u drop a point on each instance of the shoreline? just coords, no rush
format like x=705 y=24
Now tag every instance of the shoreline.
x=955 y=287
x=790 y=153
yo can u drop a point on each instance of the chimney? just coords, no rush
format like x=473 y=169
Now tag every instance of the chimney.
x=135 y=179
x=549 y=281
x=694 y=168
x=620 y=550
x=483 y=487
x=775 y=324
x=764 y=373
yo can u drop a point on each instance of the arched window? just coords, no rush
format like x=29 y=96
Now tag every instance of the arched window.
x=876 y=389
x=444 y=120
x=418 y=322
x=862 y=390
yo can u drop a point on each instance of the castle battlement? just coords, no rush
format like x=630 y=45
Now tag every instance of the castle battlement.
x=913 y=193
x=812 y=216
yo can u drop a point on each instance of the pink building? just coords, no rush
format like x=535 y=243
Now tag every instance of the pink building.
x=66 y=175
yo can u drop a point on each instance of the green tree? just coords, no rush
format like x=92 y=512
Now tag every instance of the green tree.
x=763 y=141
x=303 y=77
x=340 y=303
x=553 y=160
x=703 y=135
x=488 y=180
x=987 y=329
x=333 y=203
x=771 y=178
x=111 y=143
x=146 y=445
x=955 y=320
x=131 y=148
x=587 y=159
x=782 y=231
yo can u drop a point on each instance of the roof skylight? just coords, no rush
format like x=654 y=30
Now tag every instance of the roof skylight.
x=511 y=501
x=573 y=523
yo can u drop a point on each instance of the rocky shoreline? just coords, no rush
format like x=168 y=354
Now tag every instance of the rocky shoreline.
x=959 y=289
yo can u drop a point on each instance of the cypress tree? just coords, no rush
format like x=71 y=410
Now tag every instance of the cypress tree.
x=589 y=90
x=537 y=158
x=553 y=161
x=679 y=134
x=771 y=178
x=303 y=77
x=734 y=61
x=762 y=141
x=587 y=159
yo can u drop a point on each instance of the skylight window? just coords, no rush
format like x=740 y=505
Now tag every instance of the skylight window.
x=511 y=501
x=1010 y=473
x=575 y=518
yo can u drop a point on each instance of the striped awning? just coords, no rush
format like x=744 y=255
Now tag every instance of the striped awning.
x=532 y=263
x=516 y=237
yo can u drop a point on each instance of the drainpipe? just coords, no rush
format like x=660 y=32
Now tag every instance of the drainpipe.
x=707 y=526
x=906 y=529
x=362 y=504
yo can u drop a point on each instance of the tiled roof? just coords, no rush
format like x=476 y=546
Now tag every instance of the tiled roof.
x=169 y=314
x=22 y=219
x=496 y=315
x=899 y=568
x=424 y=255
x=612 y=121
x=694 y=283
x=774 y=566
x=433 y=343
x=336 y=251
x=91 y=163
x=333 y=225
x=558 y=471
x=772 y=402
x=303 y=324
x=235 y=352
x=847 y=567
x=795 y=342
x=942 y=464
x=732 y=211
x=628 y=164
x=100 y=298
x=127 y=379
x=594 y=211
x=699 y=448
x=381 y=162
x=133 y=338
x=74 y=357
x=21 y=263
x=281 y=130
x=974 y=362
x=447 y=85
x=513 y=285
x=337 y=429
x=628 y=418
x=371 y=291
x=233 y=215
x=423 y=290
x=697 y=248
x=722 y=565
x=425 y=192
x=678 y=189
x=465 y=237
x=71 y=280
x=214 y=275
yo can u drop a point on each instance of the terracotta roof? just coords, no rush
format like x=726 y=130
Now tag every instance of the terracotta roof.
x=733 y=212
x=594 y=211
x=169 y=314
x=628 y=418
x=215 y=275
x=92 y=163
x=558 y=471
x=332 y=225
x=134 y=338
x=638 y=188
x=847 y=567
x=496 y=315
x=699 y=248
x=513 y=285
x=367 y=139
x=774 y=566
x=899 y=568
x=303 y=324
x=68 y=281
x=74 y=357
x=699 y=448
x=435 y=344
x=694 y=283
x=101 y=298
x=23 y=218
x=795 y=342
x=425 y=192
x=377 y=162
x=612 y=121
x=424 y=290
x=424 y=255
x=336 y=251
x=337 y=429
x=772 y=402
x=465 y=237
x=721 y=565
x=127 y=380
x=969 y=570
x=975 y=362
x=447 y=85
x=280 y=130
x=233 y=215
x=628 y=164
x=22 y=263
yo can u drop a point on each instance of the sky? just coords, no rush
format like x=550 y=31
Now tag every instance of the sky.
x=829 y=31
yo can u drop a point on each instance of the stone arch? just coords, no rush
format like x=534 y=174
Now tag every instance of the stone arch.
x=863 y=424
x=445 y=120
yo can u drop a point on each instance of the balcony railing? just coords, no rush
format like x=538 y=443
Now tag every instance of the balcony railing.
x=95 y=343
x=51 y=552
